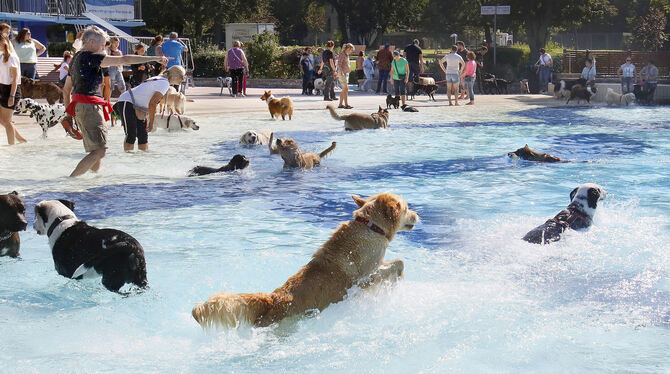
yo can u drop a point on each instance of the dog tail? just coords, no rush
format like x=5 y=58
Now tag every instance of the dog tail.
x=230 y=310
x=328 y=150
x=334 y=114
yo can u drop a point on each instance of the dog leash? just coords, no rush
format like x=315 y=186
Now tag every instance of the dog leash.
x=181 y=124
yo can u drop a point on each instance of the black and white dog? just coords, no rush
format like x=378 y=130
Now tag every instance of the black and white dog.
x=578 y=215
x=563 y=88
x=80 y=250
x=238 y=162
x=225 y=82
x=580 y=92
x=46 y=115
x=407 y=108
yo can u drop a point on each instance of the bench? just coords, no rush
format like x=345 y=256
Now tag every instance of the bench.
x=46 y=70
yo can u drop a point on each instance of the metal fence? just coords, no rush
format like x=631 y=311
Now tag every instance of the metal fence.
x=608 y=62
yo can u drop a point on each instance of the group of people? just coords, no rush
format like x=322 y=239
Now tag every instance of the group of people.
x=647 y=77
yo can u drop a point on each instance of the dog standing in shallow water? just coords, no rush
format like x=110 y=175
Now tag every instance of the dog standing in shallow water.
x=578 y=215
x=12 y=220
x=278 y=107
x=293 y=158
x=80 y=250
x=353 y=255
x=360 y=121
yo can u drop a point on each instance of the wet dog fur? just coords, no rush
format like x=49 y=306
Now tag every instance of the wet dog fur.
x=577 y=216
x=353 y=255
x=529 y=155
x=287 y=148
x=238 y=162
x=12 y=220
x=256 y=137
x=360 y=121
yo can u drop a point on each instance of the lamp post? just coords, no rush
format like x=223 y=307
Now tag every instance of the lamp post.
x=455 y=36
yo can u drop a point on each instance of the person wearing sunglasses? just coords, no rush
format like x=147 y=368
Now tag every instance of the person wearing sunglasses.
x=627 y=74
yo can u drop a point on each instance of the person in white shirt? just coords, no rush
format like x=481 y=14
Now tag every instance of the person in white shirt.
x=64 y=67
x=627 y=74
x=544 y=64
x=453 y=71
x=589 y=71
x=10 y=89
x=137 y=106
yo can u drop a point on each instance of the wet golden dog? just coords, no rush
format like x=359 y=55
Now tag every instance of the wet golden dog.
x=174 y=101
x=353 y=255
x=293 y=158
x=360 y=121
x=278 y=107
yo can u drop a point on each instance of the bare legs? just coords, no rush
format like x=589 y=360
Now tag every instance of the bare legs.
x=452 y=88
x=6 y=121
x=344 y=96
x=92 y=162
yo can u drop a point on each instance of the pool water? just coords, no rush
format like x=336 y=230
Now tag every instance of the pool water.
x=475 y=297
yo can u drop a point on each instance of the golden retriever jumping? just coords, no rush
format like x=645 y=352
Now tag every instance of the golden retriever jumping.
x=293 y=158
x=278 y=107
x=354 y=255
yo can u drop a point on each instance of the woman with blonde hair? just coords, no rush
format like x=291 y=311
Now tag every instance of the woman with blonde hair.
x=343 y=70
x=10 y=89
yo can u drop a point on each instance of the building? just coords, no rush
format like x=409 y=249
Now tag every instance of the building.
x=118 y=16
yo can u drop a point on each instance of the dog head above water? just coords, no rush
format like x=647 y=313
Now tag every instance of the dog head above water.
x=238 y=162
x=388 y=211
x=12 y=213
x=48 y=211
x=251 y=137
x=287 y=144
x=267 y=96
x=586 y=197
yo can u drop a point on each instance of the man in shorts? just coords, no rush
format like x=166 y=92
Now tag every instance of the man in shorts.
x=414 y=57
x=453 y=71
x=463 y=52
x=83 y=82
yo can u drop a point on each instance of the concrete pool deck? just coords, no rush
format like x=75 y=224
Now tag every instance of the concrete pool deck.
x=207 y=101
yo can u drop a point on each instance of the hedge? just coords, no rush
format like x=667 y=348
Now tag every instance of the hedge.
x=56 y=49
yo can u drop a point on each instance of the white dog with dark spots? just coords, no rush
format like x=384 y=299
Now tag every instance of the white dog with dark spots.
x=82 y=251
x=577 y=216
x=256 y=137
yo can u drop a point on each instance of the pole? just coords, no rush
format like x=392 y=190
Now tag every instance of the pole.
x=495 y=34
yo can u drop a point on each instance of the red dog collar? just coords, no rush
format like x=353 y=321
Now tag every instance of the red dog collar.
x=371 y=225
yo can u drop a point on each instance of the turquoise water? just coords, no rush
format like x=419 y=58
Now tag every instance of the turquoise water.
x=475 y=298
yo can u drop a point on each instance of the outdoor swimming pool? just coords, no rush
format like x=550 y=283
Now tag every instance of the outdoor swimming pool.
x=475 y=298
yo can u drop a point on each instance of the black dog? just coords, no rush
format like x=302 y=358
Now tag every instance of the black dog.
x=489 y=83
x=392 y=101
x=580 y=93
x=420 y=85
x=407 y=108
x=501 y=85
x=644 y=97
x=578 y=215
x=236 y=163
x=80 y=250
x=12 y=220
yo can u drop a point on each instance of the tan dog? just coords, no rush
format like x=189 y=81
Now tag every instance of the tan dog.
x=354 y=255
x=278 y=107
x=360 y=121
x=174 y=101
x=41 y=90
x=293 y=158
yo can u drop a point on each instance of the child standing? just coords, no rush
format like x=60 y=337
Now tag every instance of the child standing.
x=64 y=66
x=116 y=72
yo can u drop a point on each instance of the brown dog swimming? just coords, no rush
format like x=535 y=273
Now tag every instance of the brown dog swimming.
x=353 y=255
x=360 y=121
x=12 y=220
x=293 y=158
x=529 y=155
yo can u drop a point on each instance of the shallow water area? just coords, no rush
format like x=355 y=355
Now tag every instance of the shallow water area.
x=475 y=297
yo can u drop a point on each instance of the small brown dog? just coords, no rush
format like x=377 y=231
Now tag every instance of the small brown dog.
x=529 y=155
x=360 y=121
x=41 y=90
x=293 y=158
x=278 y=107
x=354 y=255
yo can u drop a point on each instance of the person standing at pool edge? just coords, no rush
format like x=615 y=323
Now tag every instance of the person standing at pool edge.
x=83 y=82
x=327 y=68
x=453 y=71
x=544 y=65
x=399 y=74
x=628 y=72
x=10 y=89
x=414 y=56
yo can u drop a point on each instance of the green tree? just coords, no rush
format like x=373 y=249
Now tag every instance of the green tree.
x=648 y=32
x=316 y=19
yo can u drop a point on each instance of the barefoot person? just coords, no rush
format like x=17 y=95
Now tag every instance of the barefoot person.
x=453 y=71
x=10 y=89
x=83 y=82
x=343 y=70
x=137 y=107
x=469 y=75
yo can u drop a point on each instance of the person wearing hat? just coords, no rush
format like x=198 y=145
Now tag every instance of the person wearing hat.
x=137 y=106
x=399 y=74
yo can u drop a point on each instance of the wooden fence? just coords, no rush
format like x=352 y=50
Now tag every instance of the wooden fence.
x=608 y=62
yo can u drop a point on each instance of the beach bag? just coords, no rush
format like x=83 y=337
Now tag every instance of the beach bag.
x=401 y=77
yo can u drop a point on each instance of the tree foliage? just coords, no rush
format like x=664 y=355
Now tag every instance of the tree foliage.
x=649 y=32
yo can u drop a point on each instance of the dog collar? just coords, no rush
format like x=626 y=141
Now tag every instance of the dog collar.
x=371 y=225
x=576 y=213
x=378 y=118
x=4 y=237
x=57 y=222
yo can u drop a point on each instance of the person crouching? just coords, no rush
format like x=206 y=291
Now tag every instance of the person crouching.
x=83 y=82
x=137 y=107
